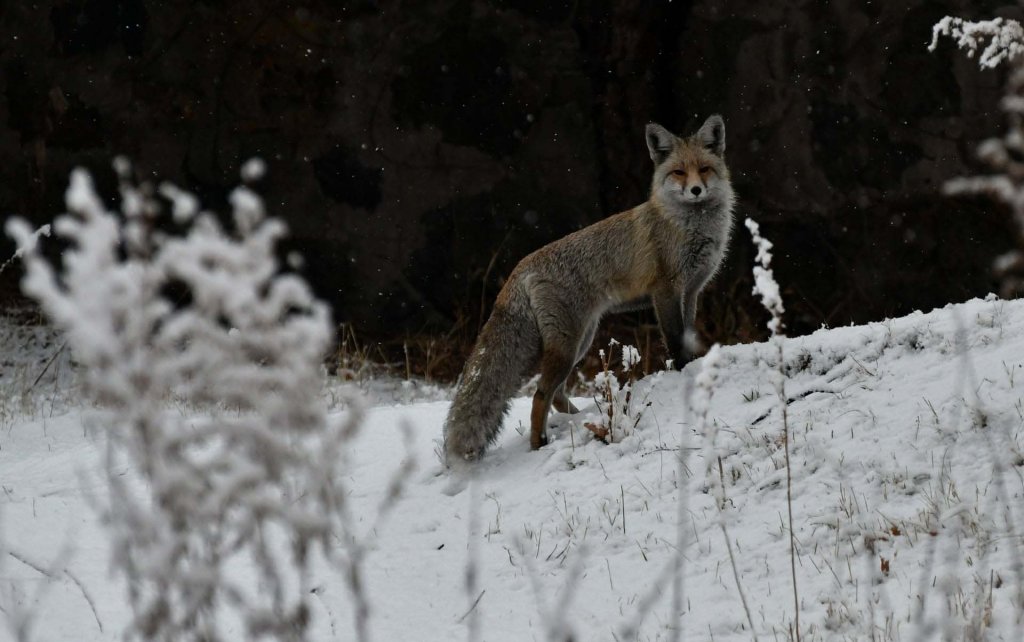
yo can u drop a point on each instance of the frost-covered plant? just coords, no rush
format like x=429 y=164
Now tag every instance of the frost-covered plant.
x=766 y=287
x=999 y=41
x=217 y=517
x=700 y=403
x=614 y=395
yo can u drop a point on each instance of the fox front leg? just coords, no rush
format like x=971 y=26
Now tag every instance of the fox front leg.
x=690 y=341
x=669 y=308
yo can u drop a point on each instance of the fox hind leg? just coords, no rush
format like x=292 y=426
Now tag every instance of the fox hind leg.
x=555 y=367
x=561 y=331
x=561 y=401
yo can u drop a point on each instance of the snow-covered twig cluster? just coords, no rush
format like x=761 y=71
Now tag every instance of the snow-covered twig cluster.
x=204 y=319
x=765 y=285
x=615 y=401
x=1000 y=41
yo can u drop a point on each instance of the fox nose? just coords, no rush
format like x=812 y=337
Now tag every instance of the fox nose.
x=695 y=190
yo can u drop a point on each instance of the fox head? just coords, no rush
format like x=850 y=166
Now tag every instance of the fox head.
x=690 y=171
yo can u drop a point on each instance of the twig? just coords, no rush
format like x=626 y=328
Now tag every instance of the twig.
x=22 y=628
x=472 y=607
x=88 y=598
x=330 y=614
x=622 y=494
x=732 y=558
x=34 y=567
x=789 y=489
x=47 y=366
x=789 y=400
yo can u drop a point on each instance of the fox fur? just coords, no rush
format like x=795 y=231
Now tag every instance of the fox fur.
x=660 y=253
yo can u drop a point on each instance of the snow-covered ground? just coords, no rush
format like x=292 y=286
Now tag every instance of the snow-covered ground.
x=907 y=453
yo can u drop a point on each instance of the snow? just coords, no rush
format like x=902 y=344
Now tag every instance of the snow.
x=906 y=449
x=630 y=357
x=253 y=169
x=184 y=205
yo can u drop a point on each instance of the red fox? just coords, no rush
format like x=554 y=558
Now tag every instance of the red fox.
x=660 y=253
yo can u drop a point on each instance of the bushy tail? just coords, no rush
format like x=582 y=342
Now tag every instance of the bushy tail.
x=507 y=349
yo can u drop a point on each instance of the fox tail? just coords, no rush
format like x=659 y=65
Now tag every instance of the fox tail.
x=508 y=347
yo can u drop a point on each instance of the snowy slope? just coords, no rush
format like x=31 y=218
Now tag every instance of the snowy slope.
x=906 y=458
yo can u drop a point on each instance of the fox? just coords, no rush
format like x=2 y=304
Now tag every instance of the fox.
x=658 y=254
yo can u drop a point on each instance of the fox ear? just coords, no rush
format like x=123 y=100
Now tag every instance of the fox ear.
x=660 y=142
x=712 y=134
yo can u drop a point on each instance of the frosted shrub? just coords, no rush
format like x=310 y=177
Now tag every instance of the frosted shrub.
x=614 y=395
x=245 y=480
x=998 y=41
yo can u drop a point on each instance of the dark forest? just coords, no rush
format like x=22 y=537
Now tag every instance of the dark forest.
x=417 y=151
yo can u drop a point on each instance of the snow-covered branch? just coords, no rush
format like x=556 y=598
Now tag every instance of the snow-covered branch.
x=998 y=39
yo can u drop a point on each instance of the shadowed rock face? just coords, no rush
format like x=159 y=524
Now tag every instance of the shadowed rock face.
x=418 y=151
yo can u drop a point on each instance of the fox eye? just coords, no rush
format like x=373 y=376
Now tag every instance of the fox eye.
x=705 y=169
x=679 y=172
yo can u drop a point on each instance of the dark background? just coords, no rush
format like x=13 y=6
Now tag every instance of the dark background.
x=419 y=149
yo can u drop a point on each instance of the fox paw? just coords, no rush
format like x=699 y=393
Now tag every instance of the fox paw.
x=538 y=441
